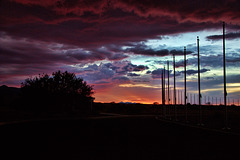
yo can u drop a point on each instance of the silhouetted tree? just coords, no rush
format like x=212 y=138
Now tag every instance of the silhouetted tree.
x=61 y=90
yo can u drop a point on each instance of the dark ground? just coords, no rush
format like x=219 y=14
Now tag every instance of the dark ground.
x=114 y=138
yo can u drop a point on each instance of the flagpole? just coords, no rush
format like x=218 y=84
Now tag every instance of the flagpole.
x=224 y=77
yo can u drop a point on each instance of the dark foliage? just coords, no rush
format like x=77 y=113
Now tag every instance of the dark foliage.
x=60 y=92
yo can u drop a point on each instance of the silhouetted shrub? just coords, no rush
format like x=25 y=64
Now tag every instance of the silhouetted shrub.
x=61 y=91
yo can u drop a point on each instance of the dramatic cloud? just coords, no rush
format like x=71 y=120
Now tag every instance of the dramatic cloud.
x=25 y=57
x=158 y=73
x=183 y=11
x=233 y=59
x=192 y=72
x=143 y=49
x=140 y=68
x=116 y=71
x=131 y=67
x=227 y=36
x=107 y=41
x=121 y=79
x=133 y=74
x=103 y=22
x=179 y=64
x=215 y=61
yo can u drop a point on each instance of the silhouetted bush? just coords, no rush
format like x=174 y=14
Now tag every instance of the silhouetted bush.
x=62 y=91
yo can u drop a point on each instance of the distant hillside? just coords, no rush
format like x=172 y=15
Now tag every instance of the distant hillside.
x=8 y=95
x=9 y=90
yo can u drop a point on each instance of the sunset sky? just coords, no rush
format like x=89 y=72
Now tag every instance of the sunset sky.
x=121 y=46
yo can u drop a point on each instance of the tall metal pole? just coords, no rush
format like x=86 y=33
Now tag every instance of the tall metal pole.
x=174 y=89
x=190 y=98
x=185 y=83
x=163 y=101
x=178 y=97
x=164 y=107
x=162 y=90
x=224 y=77
x=181 y=98
x=199 y=85
x=168 y=91
x=168 y=82
x=194 y=99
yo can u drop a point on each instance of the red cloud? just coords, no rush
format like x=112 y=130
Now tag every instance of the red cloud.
x=182 y=11
x=102 y=22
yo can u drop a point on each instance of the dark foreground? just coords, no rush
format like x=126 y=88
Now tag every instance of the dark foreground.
x=114 y=138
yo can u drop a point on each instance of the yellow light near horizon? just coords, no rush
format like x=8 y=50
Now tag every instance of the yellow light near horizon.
x=231 y=85
x=229 y=89
x=233 y=90
x=191 y=80
x=137 y=85
x=212 y=89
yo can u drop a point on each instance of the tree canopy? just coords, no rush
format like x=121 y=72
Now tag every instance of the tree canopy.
x=60 y=88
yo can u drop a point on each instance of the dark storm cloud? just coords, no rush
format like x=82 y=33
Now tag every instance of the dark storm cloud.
x=227 y=36
x=111 y=66
x=87 y=26
x=131 y=67
x=21 y=57
x=82 y=55
x=121 y=79
x=140 y=68
x=21 y=51
x=133 y=75
x=32 y=56
x=103 y=73
x=233 y=59
x=158 y=73
x=216 y=61
x=179 y=52
x=143 y=49
x=192 y=72
x=209 y=78
x=97 y=23
x=179 y=64
x=118 y=56
x=111 y=71
x=95 y=55
x=148 y=72
x=90 y=68
x=198 y=10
